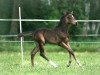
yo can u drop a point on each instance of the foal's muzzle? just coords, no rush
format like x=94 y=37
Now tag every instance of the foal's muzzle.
x=76 y=23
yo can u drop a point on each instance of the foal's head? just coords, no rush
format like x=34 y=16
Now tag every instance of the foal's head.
x=69 y=18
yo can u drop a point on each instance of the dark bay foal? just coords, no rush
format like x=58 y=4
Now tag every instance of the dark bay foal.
x=59 y=36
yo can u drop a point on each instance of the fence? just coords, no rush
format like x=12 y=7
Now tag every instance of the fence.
x=29 y=20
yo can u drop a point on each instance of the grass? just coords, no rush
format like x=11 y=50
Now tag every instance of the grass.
x=15 y=47
x=10 y=60
x=10 y=64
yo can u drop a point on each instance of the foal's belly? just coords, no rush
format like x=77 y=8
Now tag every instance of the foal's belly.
x=52 y=40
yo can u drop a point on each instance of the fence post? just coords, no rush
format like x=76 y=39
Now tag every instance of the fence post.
x=21 y=37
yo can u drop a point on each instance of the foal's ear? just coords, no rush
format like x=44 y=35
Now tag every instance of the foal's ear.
x=68 y=12
x=71 y=12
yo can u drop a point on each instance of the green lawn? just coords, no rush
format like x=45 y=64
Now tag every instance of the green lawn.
x=10 y=64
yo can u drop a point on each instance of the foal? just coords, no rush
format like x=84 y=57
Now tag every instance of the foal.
x=59 y=36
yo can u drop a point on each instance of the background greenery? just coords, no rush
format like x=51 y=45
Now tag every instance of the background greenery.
x=48 y=9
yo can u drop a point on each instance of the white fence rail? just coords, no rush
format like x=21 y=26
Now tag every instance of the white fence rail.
x=7 y=36
x=70 y=35
x=46 y=20
x=33 y=42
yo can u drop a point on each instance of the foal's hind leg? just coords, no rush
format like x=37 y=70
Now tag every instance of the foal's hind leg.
x=71 y=52
x=42 y=53
x=34 y=51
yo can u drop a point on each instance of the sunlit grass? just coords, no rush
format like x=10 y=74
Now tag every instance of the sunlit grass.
x=10 y=64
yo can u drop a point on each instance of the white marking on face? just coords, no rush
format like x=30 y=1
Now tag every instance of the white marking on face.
x=72 y=16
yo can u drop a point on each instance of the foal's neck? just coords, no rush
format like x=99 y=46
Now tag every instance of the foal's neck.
x=62 y=26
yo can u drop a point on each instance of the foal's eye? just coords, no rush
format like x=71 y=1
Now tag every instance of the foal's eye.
x=69 y=17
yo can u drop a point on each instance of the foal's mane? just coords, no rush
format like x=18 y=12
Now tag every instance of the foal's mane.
x=61 y=21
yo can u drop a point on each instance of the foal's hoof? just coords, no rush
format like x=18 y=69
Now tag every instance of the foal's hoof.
x=32 y=65
x=68 y=65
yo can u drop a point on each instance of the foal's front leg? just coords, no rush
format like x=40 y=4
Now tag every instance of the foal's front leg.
x=70 y=56
x=70 y=60
x=67 y=46
x=74 y=55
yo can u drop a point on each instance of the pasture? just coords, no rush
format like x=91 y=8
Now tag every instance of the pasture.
x=10 y=61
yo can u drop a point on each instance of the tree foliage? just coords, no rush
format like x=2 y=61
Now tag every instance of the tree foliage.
x=45 y=9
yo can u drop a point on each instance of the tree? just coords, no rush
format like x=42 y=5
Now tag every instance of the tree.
x=87 y=11
x=14 y=24
x=94 y=14
x=5 y=13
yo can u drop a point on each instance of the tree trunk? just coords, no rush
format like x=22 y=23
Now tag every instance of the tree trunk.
x=93 y=27
x=14 y=24
x=86 y=24
x=97 y=29
x=49 y=2
x=94 y=11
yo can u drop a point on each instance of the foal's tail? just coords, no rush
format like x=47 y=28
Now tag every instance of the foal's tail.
x=25 y=34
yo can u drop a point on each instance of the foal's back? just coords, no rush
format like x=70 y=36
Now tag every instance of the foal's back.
x=53 y=36
x=46 y=35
